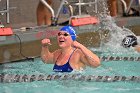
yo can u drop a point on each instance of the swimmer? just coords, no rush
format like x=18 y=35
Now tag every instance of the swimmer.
x=71 y=56
x=131 y=41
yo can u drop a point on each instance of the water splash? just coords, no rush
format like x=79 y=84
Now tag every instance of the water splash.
x=111 y=35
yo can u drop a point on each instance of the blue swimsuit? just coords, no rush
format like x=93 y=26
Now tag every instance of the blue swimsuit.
x=63 y=68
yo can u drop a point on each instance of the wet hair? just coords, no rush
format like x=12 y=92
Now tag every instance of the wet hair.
x=129 y=41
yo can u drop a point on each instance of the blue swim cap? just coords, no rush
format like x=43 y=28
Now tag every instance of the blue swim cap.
x=70 y=30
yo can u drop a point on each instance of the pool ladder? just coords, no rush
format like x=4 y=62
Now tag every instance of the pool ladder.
x=13 y=78
x=70 y=5
x=127 y=9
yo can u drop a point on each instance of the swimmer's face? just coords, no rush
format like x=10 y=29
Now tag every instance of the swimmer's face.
x=64 y=39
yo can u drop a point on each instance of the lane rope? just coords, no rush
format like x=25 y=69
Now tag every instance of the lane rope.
x=118 y=58
x=13 y=78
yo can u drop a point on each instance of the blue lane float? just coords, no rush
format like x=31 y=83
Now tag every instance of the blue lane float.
x=13 y=78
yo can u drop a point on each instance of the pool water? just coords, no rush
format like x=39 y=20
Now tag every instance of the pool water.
x=111 y=68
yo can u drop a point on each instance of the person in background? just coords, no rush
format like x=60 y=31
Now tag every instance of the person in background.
x=71 y=56
x=43 y=13
x=131 y=41
x=112 y=5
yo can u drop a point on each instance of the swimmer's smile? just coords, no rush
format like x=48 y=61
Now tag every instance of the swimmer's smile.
x=61 y=40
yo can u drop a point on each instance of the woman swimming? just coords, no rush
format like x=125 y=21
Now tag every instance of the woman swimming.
x=71 y=56
x=131 y=41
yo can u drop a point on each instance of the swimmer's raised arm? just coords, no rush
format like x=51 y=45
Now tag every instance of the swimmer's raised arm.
x=88 y=57
x=46 y=55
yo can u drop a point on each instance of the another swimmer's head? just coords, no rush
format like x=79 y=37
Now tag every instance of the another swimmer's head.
x=129 y=41
x=70 y=30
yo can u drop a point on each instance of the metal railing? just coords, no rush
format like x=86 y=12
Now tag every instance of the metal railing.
x=78 y=3
x=126 y=9
x=7 y=10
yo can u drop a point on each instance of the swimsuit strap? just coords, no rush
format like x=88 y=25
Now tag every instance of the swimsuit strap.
x=71 y=55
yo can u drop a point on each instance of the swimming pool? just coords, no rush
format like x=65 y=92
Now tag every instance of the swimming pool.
x=118 y=73
x=73 y=85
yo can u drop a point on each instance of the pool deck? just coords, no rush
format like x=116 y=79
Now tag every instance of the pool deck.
x=30 y=38
x=30 y=33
